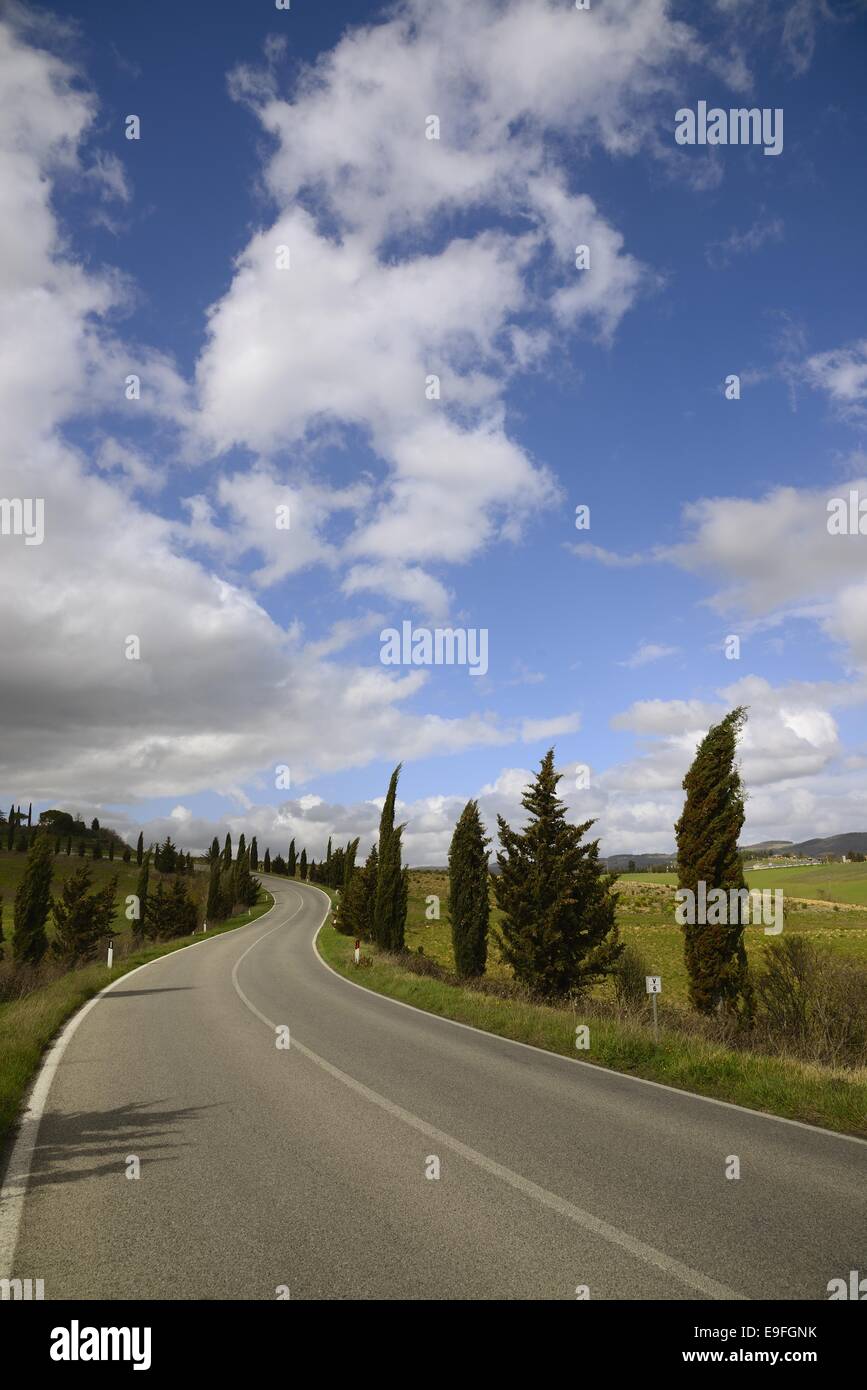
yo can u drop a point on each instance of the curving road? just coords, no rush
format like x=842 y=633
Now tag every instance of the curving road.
x=304 y=1169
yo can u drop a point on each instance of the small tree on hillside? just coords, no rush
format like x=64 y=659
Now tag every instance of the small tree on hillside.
x=82 y=919
x=32 y=904
x=139 y=848
x=558 y=931
x=707 y=851
x=469 y=904
x=302 y=866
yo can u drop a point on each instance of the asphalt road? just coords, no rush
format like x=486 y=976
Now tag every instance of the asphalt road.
x=304 y=1169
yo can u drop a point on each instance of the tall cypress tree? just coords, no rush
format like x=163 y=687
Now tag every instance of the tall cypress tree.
x=214 y=852
x=139 y=926
x=227 y=851
x=293 y=860
x=139 y=847
x=469 y=904
x=32 y=904
x=558 y=930
x=707 y=852
x=389 y=914
x=302 y=866
x=254 y=854
x=214 y=904
x=267 y=861
x=10 y=828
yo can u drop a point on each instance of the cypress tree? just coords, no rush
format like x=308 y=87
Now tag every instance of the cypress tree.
x=266 y=863
x=140 y=925
x=242 y=846
x=10 y=828
x=214 y=851
x=558 y=931
x=81 y=918
x=389 y=914
x=469 y=904
x=302 y=866
x=246 y=886
x=32 y=904
x=139 y=849
x=707 y=851
x=180 y=910
x=254 y=855
x=214 y=905
x=227 y=850
x=293 y=860
x=159 y=918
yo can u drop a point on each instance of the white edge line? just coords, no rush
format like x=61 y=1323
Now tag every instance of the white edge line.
x=17 y=1175
x=596 y=1067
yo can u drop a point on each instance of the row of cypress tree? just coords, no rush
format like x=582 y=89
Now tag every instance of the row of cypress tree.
x=557 y=928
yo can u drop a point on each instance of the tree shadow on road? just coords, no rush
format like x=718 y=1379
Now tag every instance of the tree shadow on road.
x=84 y=1144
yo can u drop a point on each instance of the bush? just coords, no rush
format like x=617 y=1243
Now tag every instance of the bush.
x=814 y=1001
x=629 y=977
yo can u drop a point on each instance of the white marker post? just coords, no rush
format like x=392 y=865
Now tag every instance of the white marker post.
x=358 y=953
x=110 y=954
x=653 y=985
x=205 y=925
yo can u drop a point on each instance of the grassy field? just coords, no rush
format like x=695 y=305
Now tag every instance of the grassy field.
x=645 y=915
x=842 y=883
x=781 y=1086
x=12 y=868
x=28 y=1025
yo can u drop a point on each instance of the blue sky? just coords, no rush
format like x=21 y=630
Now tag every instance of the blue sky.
x=560 y=387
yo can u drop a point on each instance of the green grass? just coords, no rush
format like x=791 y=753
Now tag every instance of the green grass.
x=28 y=1025
x=842 y=883
x=797 y=1090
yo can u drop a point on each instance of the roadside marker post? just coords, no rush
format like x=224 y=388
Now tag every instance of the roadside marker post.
x=653 y=985
x=110 y=954
x=358 y=953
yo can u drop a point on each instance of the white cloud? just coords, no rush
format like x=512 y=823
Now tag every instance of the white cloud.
x=842 y=374
x=648 y=652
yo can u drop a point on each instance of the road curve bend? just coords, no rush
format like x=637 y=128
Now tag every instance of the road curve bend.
x=310 y=1170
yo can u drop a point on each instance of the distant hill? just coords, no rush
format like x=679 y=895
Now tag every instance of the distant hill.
x=768 y=847
x=853 y=841
x=834 y=844
x=619 y=863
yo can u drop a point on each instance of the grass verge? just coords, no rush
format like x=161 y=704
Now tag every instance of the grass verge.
x=797 y=1090
x=29 y=1025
